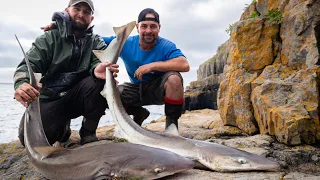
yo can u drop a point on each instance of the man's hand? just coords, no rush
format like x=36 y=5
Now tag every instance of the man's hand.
x=26 y=94
x=48 y=27
x=100 y=70
x=142 y=70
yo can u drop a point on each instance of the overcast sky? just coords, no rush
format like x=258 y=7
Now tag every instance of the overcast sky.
x=197 y=27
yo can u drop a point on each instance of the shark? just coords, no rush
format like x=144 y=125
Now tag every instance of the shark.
x=102 y=161
x=207 y=155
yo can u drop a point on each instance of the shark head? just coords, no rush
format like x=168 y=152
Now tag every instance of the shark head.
x=227 y=159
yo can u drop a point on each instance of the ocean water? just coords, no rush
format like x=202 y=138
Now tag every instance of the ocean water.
x=11 y=112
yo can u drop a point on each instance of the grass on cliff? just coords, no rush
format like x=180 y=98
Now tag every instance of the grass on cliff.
x=229 y=29
x=254 y=14
x=274 y=16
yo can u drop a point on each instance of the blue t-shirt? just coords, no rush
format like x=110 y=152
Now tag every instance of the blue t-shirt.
x=133 y=57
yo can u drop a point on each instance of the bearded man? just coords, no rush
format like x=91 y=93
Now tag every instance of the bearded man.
x=71 y=76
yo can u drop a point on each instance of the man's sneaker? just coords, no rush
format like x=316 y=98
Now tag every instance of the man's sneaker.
x=171 y=120
x=140 y=115
x=87 y=136
x=88 y=139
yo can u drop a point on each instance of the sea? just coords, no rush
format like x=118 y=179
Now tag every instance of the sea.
x=11 y=112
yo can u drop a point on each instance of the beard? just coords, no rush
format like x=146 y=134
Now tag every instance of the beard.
x=79 y=26
x=148 y=38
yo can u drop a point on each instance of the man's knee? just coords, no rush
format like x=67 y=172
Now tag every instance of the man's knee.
x=174 y=81
x=93 y=85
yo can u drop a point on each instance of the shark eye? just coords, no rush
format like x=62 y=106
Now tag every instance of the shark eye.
x=242 y=161
x=157 y=170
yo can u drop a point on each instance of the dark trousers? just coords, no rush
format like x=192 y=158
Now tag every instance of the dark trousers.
x=82 y=100
x=146 y=93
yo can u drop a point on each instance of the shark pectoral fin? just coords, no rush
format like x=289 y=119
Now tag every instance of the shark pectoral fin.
x=172 y=130
x=104 y=92
x=38 y=77
x=47 y=151
x=100 y=54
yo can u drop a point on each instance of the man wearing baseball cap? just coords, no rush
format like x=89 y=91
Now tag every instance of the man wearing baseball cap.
x=153 y=64
x=89 y=2
x=72 y=77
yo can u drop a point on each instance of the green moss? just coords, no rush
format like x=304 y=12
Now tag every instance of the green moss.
x=135 y=178
x=3 y=159
x=254 y=14
x=274 y=16
x=229 y=29
x=118 y=140
x=303 y=19
x=212 y=60
x=13 y=147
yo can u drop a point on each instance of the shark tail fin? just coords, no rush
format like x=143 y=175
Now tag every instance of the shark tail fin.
x=46 y=151
x=172 y=130
x=120 y=32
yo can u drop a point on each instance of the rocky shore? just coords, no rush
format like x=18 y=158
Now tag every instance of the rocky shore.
x=297 y=162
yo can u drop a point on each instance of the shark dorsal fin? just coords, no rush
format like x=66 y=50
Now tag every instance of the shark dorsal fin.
x=46 y=151
x=172 y=130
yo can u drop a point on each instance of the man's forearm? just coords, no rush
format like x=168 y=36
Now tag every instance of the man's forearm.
x=179 y=64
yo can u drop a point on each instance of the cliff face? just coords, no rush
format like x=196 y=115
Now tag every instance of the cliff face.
x=269 y=83
x=202 y=94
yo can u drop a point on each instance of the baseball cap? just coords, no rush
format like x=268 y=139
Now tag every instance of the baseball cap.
x=143 y=13
x=89 y=2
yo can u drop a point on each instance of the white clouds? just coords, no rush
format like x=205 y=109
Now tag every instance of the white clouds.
x=31 y=12
x=13 y=42
x=206 y=11
x=210 y=10
x=119 y=12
